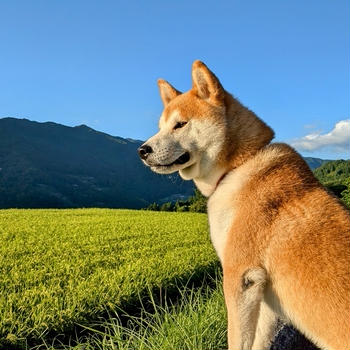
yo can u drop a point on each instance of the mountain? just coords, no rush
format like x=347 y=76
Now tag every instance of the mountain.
x=48 y=165
x=314 y=163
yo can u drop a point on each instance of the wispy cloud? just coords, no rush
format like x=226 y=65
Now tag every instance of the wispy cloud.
x=337 y=140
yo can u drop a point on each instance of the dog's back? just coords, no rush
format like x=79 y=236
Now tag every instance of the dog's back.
x=299 y=233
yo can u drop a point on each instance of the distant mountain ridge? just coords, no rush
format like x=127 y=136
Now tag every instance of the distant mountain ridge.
x=314 y=163
x=49 y=165
x=52 y=165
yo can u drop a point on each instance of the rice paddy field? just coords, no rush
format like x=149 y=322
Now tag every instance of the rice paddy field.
x=92 y=268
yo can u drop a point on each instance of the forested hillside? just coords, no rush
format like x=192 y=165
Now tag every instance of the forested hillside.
x=333 y=172
x=48 y=165
x=335 y=175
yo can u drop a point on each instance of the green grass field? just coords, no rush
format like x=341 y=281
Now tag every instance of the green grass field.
x=60 y=268
x=197 y=321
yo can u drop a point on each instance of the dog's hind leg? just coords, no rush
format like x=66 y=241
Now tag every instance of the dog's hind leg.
x=266 y=328
x=243 y=295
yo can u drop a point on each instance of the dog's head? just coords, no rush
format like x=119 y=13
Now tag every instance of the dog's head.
x=191 y=127
x=204 y=132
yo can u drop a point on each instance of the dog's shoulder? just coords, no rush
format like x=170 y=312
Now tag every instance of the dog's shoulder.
x=279 y=165
x=275 y=176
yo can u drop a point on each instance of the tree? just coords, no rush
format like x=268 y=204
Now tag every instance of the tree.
x=153 y=206
x=181 y=206
x=345 y=195
x=198 y=203
x=168 y=206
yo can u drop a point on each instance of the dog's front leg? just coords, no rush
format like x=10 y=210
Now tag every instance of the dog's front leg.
x=266 y=328
x=243 y=289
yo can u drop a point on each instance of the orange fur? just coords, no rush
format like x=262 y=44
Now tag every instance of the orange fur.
x=282 y=239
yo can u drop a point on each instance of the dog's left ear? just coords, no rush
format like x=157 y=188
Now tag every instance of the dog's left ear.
x=167 y=92
x=205 y=84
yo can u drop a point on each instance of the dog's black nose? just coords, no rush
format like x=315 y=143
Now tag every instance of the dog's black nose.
x=144 y=151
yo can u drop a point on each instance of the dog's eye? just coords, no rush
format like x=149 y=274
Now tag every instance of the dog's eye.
x=179 y=125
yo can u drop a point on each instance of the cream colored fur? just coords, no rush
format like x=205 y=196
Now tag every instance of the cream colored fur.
x=266 y=327
x=221 y=206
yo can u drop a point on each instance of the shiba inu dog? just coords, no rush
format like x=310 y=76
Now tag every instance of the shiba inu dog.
x=282 y=239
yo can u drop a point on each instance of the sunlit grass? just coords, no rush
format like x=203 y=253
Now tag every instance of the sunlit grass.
x=64 y=267
x=196 y=321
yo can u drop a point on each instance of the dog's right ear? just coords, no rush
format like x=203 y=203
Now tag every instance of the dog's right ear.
x=167 y=92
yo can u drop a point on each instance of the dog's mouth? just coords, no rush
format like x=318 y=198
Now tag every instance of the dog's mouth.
x=183 y=159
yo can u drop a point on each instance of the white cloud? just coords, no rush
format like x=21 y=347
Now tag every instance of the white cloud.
x=337 y=140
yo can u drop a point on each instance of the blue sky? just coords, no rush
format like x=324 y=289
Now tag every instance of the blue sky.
x=97 y=62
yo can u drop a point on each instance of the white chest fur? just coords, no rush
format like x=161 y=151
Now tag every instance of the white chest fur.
x=221 y=209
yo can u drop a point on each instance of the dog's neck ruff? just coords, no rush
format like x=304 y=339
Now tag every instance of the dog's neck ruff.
x=209 y=184
x=220 y=179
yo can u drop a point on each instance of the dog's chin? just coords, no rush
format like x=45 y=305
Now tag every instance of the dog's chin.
x=173 y=169
x=164 y=169
x=191 y=171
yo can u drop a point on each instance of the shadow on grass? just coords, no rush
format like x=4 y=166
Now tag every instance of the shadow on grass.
x=169 y=293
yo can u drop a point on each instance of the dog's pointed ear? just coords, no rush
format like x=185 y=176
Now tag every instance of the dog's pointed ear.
x=167 y=92
x=205 y=84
